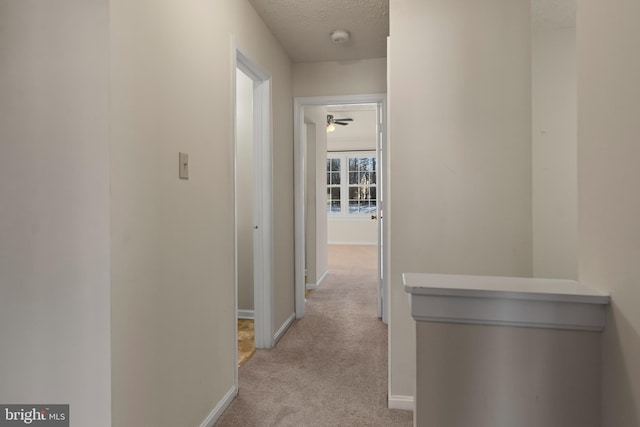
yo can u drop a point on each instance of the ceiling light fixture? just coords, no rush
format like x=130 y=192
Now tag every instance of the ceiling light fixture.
x=330 y=126
x=340 y=36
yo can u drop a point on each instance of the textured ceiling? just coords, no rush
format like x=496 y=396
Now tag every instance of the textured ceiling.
x=303 y=27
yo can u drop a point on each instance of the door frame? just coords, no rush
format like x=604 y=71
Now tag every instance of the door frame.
x=263 y=201
x=299 y=209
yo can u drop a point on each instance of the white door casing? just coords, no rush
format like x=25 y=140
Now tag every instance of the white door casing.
x=262 y=203
x=299 y=224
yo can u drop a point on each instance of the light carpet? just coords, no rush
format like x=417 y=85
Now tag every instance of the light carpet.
x=330 y=368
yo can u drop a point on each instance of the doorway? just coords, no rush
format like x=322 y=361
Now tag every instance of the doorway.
x=253 y=201
x=373 y=155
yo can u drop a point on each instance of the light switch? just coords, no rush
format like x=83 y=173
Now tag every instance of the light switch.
x=183 y=166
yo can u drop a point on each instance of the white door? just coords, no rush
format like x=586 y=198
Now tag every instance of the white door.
x=380 y=181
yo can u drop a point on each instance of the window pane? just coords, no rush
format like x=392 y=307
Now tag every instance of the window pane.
x=328 y=178
x=362 y=207
x=328 y=165
x=363 y=178
x=373 y=192
x=335 y=164
x=353 y=193
x=368 y=207
x=353 y=177
x=333 y=207
x=361 y=192
x=335 y=193
x=333 y=199
x=335 y=178
x=372 y=176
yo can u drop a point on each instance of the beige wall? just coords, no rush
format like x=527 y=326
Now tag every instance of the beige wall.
x=172 y=240
x=54 y=206
x=362 y=76
x=497 y=376
x=244 y=189
x=609 y=201
x=555 y=154
x=460 y=150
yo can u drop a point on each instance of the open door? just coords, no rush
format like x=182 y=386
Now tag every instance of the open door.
x=382 y=162
x=258 y=223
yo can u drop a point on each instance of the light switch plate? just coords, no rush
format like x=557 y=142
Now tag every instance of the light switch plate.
x=183 y=165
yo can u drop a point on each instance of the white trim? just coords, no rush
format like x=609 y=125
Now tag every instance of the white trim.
x=299 y=211
x=404 y=403
x=353 y=243
x=507 y=301
x=349 y=217
x=382 y=147
x=234 y=105
x=284 y=328
x=310 y=286
x=385 y=263
x=298 y=153
x=222 y=406
x=263 y=232
x=246 y=314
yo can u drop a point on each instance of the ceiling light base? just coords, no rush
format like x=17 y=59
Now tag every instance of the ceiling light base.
x=340 y=36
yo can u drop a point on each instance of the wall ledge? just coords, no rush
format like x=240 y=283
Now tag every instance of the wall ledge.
x=508 y=301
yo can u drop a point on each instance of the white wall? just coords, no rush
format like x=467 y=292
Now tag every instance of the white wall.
x=54 y=206
x=244 y=189
x=460 y=150
x=609 y=201
x=555 y=153
x=346 y=231
x=360 y=134
x=316 y=202
x=362 y=76
x=309 y=142
x=173 y=310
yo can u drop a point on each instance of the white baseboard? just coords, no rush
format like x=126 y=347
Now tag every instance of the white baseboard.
x=310 y=286
x=354 y=243
x=401 y=402
x=220 y=408
x=246 y=314
x=283 y=328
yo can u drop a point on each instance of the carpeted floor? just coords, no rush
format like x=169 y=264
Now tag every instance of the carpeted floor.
x=330 y=368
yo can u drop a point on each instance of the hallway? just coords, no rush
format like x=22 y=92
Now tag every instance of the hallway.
x=330 y=368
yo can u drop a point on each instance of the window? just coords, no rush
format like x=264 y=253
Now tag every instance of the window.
x=351 y=183
x=334 y=176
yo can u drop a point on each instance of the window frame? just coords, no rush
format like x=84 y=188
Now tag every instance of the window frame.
x=344 y=185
